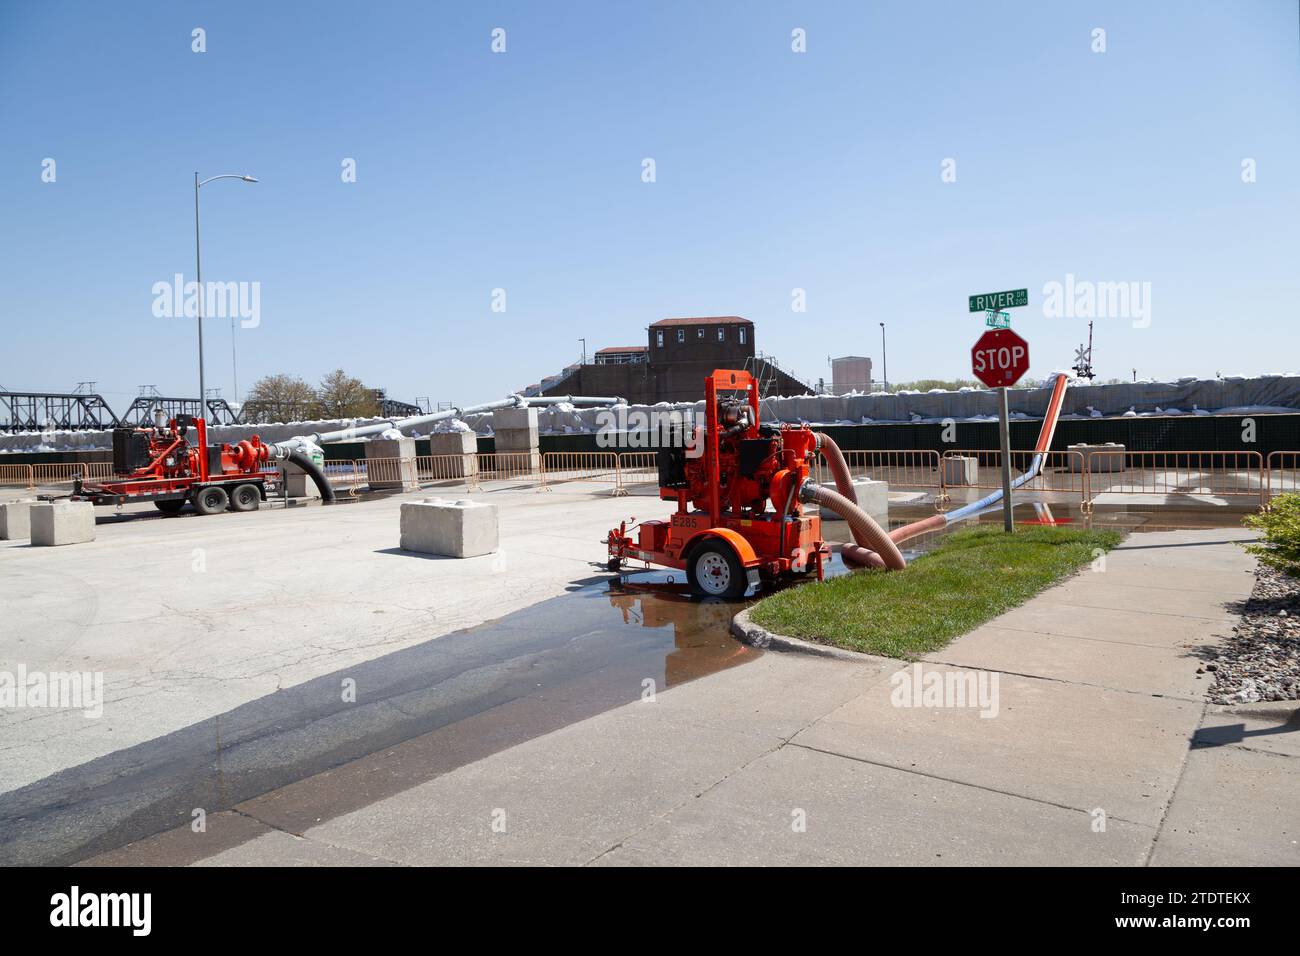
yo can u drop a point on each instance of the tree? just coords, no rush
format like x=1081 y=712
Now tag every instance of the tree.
x=925 y=384
x=342 y=396
x=280 y=398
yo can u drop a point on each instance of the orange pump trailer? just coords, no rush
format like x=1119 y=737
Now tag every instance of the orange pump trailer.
x=722 y=534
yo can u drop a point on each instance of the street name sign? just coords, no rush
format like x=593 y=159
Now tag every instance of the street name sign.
x=1013 y=299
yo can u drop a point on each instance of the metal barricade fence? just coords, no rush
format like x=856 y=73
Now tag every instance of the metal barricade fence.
x=438 y=469
x=511 y=466
x=63 y=473
x=1062 y=472
x=903 y=468
x=560 y=466
x=1221 y=474
x=19 y=475
x=637 y=468
x=1283 y=469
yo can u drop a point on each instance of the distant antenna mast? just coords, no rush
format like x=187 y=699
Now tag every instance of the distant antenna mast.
x=1083 y=358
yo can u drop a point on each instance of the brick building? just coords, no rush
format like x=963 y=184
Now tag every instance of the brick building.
x=671 y=367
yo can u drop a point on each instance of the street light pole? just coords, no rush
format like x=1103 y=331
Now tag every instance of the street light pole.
x=884 y=359
x=198 y=276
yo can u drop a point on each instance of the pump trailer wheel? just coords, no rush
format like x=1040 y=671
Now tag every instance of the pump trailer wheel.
x=715 y=571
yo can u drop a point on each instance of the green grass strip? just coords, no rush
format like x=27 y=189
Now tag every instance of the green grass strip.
x=972 y=577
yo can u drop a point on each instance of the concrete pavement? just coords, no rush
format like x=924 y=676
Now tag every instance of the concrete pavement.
x=189 y=618
x=1099 y=751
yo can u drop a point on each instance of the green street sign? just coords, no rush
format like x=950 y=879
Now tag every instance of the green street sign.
x=1014 y=299
x=997 y=320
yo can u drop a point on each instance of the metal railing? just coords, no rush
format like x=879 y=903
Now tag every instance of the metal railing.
x=903 y=468
x=1283 y=468
x=1221 y=474
x=1062 y=472
x=637 y=468
x=560 y=466
x=64 y=472
x=1236 y=474
x=18 y=475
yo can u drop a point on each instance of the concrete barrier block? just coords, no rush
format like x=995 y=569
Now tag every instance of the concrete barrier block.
x=457 y=529
x=514 y=419
x=453 y=443
x=455 y=454
x=296 y=482
x=873 y=498
x=62 y=522
x=15 y=520
x=961 y=470
x=1097 y=463
x=397 y=475
x=521 y=439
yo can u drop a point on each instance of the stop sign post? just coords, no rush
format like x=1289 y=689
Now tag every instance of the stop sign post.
x=999 y=359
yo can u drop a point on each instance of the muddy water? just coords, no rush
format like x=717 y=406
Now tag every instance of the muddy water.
x=301 y=756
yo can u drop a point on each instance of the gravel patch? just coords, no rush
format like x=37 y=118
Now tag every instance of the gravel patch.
x=1261 y=660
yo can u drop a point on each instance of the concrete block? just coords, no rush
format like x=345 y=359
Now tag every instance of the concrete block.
x=1097 y=463
x=389 y=475
x=455 y=455
x=514 y=419
x=873 y=498
x=457 y=529
x=62 y=522
x=453 y=443
x=522 y=439
x=961 y=470
x=15 y=520
x=296 y=482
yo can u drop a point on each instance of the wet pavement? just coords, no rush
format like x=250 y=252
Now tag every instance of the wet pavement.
x=418 y=712
x=306 y=754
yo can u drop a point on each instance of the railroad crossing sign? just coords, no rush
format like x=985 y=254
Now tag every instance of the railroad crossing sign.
x=999 y=358
x=997 y=320
x=1013 y=299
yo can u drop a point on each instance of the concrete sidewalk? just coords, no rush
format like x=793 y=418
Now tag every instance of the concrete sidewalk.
x=1102 y=751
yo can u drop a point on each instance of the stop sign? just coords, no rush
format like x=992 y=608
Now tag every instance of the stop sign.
x=999 y=358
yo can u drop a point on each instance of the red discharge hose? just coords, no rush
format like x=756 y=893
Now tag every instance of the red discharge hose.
x=874 y=548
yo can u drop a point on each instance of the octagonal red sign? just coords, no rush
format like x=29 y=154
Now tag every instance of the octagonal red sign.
x=999 y=358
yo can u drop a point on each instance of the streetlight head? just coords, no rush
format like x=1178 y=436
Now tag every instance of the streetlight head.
x=248 y=179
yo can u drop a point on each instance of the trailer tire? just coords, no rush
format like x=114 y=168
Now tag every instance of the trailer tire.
x=714 y=570
x=211 y=500
x=170 y=506
x=245 y=498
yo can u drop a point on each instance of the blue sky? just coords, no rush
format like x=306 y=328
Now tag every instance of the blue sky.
x=522 y=171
